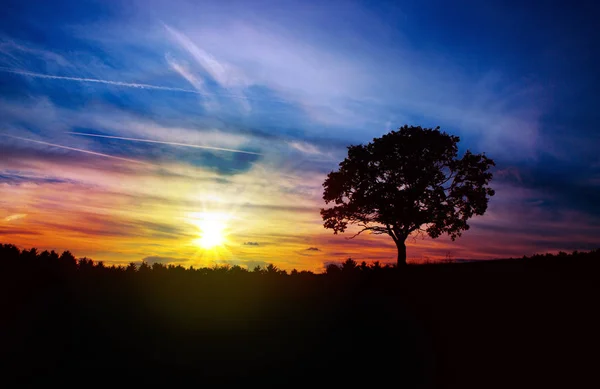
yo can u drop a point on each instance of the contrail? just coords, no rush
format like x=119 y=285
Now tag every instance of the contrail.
x=134 y=85
x=80 y=150
x=99 y=81
x=164 y=143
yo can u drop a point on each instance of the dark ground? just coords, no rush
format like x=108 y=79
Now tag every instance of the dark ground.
x=514 y=323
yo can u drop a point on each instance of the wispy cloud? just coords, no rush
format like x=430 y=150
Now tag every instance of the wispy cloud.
x=222 y=72
x=225 y=74
x=362 y=88
x=185 y=72
x=15 y=217
x=53 y=121
x=164 y=143
x=305 y=147
x=13 y=49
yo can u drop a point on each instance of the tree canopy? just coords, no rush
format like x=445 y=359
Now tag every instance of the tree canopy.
x=409 y=180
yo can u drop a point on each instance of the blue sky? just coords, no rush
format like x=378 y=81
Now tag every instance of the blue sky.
x=287 y=85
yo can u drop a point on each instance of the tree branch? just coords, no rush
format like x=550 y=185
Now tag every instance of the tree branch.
x=376 y=230
x=391 y=233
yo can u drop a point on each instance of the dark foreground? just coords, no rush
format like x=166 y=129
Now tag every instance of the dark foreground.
x=515 y=323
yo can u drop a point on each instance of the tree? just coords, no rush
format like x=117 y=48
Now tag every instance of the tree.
x=408 y=181
x=349 y=266
x=131 y=268
x=332 y=269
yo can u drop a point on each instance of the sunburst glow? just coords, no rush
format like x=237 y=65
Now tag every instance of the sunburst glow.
x=213 y=230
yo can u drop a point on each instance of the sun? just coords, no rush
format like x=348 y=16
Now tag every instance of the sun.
x=212 y=228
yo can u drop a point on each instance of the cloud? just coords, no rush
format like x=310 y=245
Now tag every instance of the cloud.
x=90 y=225
x=149 y=135
x=333 y=74
x=281 y=208
x=19 y=178
x=342 y=88
x=226 y=75
x=15 y=216
x=150 y=260
x=313 y=249
x=305 y=147
x=17 y=231
x=185 y=72
x=164 y=143
x=15 y=50
x=222 y=72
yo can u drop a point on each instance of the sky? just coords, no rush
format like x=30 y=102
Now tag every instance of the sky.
x=131 y=129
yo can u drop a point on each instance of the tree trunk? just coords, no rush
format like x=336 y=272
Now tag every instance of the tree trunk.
x=401 y=253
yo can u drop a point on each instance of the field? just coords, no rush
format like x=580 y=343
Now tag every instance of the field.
x=528 y=322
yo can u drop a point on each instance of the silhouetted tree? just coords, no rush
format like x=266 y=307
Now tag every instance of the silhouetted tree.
x=158 y=267
x=349 y=266
x=144 y=268
x=364 y=267
x=68 y=259
x=237 y=269
x=332 y=269
x=85 y=264
x=376 y=266
x=29 y=257
x=9 y=253
x=274 y=270
x=131 y=268
x=221 y=269
x=409 y=180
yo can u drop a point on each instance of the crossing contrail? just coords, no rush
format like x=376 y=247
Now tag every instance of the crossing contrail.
x=100 y=81
x=80 y=150
x=164 y=143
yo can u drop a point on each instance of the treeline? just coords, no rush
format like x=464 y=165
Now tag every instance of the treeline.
x=12 y=258
x=445 y=325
